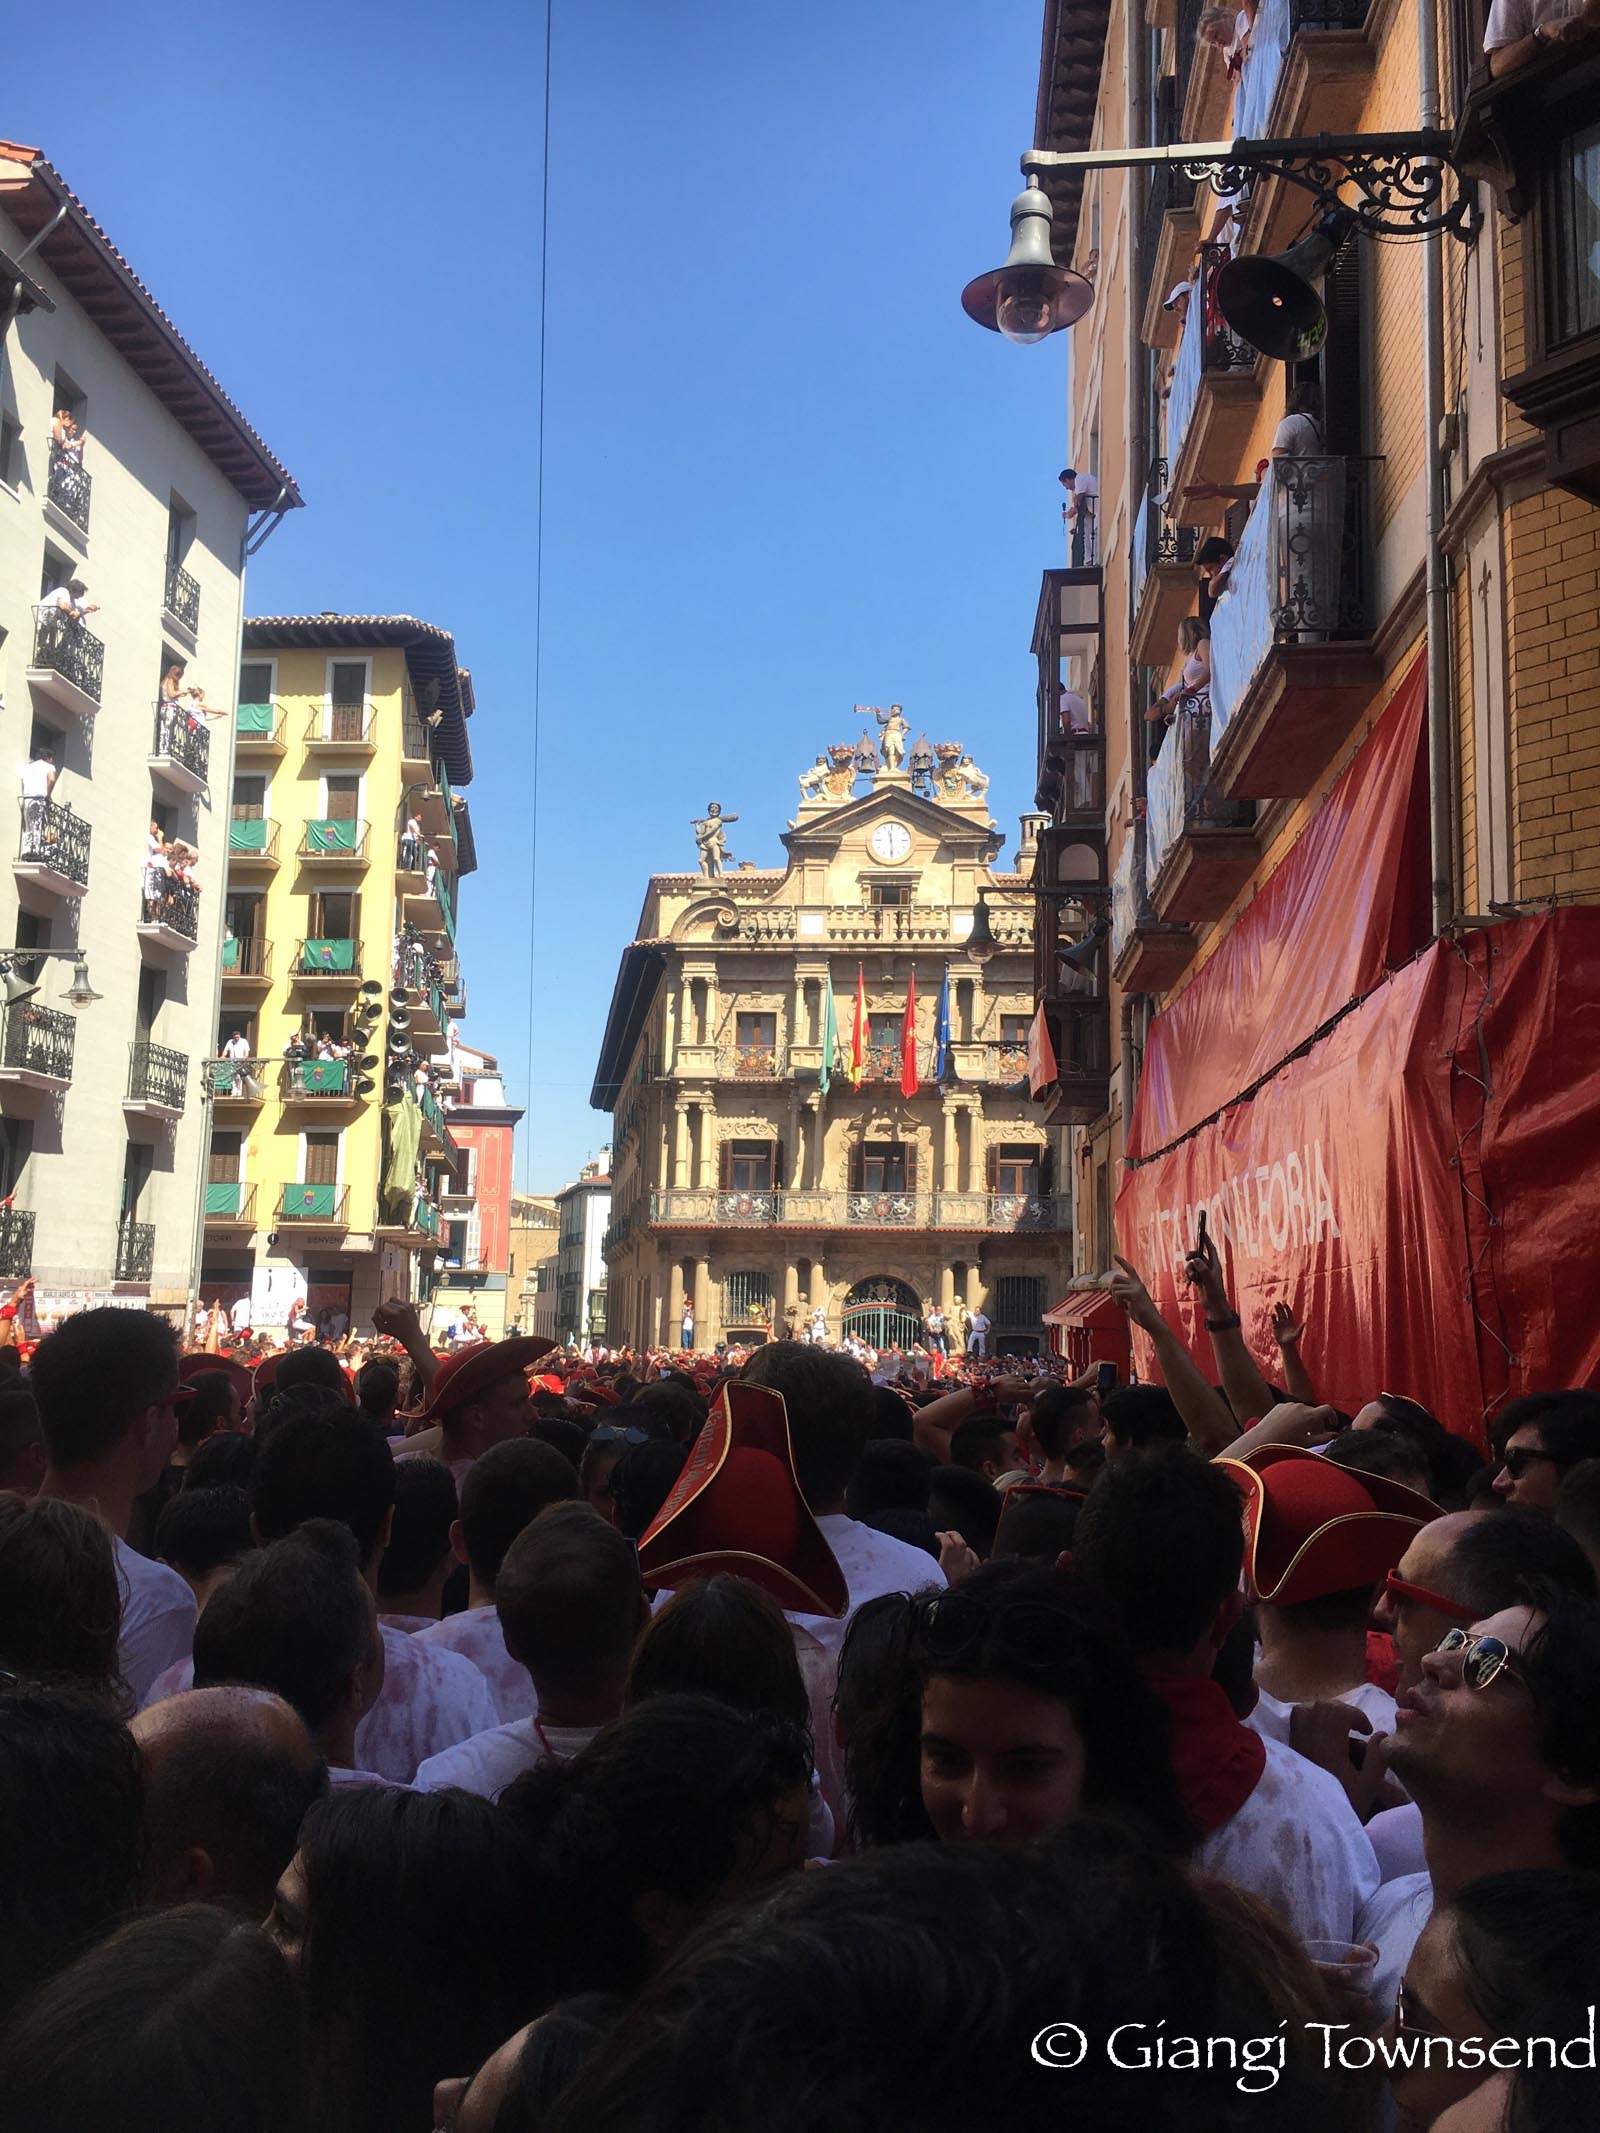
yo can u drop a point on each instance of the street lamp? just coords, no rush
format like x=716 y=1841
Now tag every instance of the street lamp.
x=1029 y=297
x=14 y=988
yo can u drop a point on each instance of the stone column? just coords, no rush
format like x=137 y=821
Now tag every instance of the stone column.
x=705 y=1175
x=947 y=1289
x=947 y=1157
x=791 y=1292
x=711 y=1009
x=680 y=1144
x=704 y=1334
x=669 y=1031
x=819 y=1135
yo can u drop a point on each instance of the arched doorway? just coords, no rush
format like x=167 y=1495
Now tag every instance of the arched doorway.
x=883 y=1312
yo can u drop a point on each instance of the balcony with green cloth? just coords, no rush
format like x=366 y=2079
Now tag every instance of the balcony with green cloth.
x=316 y=1077
x=312 y=1203
x=332 y=957
x=334 y=837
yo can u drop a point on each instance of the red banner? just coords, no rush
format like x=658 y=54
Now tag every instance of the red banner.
x=1422 y=1186
x=1348 y=902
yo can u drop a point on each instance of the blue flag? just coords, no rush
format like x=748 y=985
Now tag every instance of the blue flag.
x=941 y=1030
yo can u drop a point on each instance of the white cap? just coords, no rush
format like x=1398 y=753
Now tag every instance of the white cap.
x=1184 y=288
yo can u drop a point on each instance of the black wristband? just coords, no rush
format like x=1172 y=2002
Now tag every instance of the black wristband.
x=1224 y=1325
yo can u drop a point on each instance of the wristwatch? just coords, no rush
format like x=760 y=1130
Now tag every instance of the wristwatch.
x=1224 y=1325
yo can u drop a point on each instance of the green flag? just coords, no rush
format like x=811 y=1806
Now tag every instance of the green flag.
x=830 y=1035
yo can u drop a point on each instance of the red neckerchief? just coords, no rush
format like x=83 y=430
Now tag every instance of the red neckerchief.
x=1217 y=1761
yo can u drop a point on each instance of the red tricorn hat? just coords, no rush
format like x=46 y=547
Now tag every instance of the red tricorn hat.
x=471 y=1372
x=737 y=1507
x=1313 y=1527
x=199 y=1366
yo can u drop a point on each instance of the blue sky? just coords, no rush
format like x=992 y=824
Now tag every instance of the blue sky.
x=783 y=473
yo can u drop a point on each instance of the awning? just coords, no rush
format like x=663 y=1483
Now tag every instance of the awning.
x=1087 y=1308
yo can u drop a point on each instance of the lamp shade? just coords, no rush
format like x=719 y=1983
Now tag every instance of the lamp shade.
x=1029 y=297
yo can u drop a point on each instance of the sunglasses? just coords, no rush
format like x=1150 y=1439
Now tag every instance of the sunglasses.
x=1483 y=1659
x=1521 y=1456
x=950 y=1627
x=606 y=1433
x=1399 y=1588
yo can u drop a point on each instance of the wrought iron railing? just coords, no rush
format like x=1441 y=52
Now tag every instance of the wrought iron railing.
x=173 y=904
x=340 y=725
x=39 y=1040
x=314 y=1203
x=69 y=487
x=16 y=1243
x=259 y=726
x=253 y=837
x=1158 y=539
x=885 y=1208
x=746 y=1300
x=1178 y=794
x=231 y=1200
x=333 y=837
x=327 y=957
x=56 y=838
x=247 y=958
x=157 y=1076
x=136 y=1250
x=183 y=739
x=1001 y=1212
x=1171 y=192
x=1205 y=349
x=67 y=646
x=1301 y=575
x=183 y=597
x=238 y=1081
x=1082 y=544
x=317 y=1078
x=413 y=733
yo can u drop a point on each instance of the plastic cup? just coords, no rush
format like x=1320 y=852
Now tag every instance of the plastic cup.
x=1351 y=1959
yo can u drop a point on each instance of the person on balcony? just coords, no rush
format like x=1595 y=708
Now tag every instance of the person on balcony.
x=1309 y=503
x=71 y=601
x=430 y=869
x=155 y=872
x=1521 y=31
x=1194 y=680
x=39 y=776
x=237 y=1046
x=1078 y=513
x=411 y=845
x=66 y=438
x=1213 y=566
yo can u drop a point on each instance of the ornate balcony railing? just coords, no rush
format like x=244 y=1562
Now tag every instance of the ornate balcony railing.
x=885 y=1209
x=136 y=1250
x=1082 y=542
x=69 y=487
x=253 y=837
x=68 y=647
x=327 y=958
x=752 y=1062
x=1000 y=1212
x=183 y=739
x=702 y=1207
x=231 y=1200
x=157 y=1076
x=249 y=958
x=39 y=1040
x=313 y=1078
x=882 y=1063
x=1156 y=538
x=56 y=838
x=173 y=904
x=314 y=1203
x=16 y=1243
x=238 y=1081
x=1205 y=348
x=183 y=597
x=340 y=726
x=1178 y=794
x=1301 y=574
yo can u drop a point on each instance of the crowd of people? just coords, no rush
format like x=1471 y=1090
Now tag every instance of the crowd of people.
x=170 y=879
x=441 y=1744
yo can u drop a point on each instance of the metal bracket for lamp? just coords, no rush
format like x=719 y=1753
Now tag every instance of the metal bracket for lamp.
x=1399 y=177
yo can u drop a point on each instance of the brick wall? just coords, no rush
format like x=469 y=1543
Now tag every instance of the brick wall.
x=1553 y=596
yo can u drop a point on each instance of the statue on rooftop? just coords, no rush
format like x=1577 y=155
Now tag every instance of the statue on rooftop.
x=814 y=782
x=840 y=782
x=895 y=730
x=711 y=840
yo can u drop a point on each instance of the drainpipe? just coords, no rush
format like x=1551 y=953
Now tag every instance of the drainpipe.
x=1441 y=734
x=1125 y=1062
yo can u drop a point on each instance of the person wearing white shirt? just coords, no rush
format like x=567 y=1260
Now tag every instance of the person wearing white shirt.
x=1519 y=31
x=106 y=1385
x=239 y=1317
x=39 y=776
x=978 y=1333
x=570 y=1605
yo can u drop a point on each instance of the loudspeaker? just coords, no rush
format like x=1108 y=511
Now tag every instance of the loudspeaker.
x=366 y=1063
x=373 y=988
x=398 y=1043
x=1272 y=304
x=365 y=1085
x=399 y=997
x=399 y=1022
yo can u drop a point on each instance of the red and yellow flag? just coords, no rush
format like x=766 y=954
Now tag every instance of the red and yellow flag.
x=858 y=1031
x=909 y=1083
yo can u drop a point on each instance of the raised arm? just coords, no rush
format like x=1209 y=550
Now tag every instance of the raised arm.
x=933 y=1426
x=1249 y=1394
x=398 y=1319
x=1205 y=1415
x=1287 y=1332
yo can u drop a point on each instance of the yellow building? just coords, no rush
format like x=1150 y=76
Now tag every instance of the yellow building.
x=750 y=1176
x=347 y=845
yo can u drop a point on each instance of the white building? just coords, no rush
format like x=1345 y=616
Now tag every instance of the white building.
x=102 y=1133
x=584 y=1210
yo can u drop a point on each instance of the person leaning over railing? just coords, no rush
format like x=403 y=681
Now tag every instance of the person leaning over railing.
x=1195 y=679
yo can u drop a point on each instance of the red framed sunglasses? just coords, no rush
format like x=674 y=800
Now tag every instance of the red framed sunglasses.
x=1399 y=1588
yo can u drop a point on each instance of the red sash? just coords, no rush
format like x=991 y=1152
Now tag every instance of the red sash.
x=1217 y=1761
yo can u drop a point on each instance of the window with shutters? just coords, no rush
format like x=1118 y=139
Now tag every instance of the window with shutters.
x=249 y=799
x=1014 y=1172
x=756 y=1043
x=749 y=1166
x=333 y=917
x=322 y=1159
x=255 y=682
x=347 y=699
x=227 y=1151
x=884 y=1166
x=891 y=895
x=344 y=799
x=1016 y=1303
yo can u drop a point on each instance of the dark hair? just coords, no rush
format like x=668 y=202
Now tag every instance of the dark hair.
x=657 y=1803
x=311 y=1367
x=961 y=1955
x=1560 y=1663
x=964 y=1503
x=561 y=1433
x=506 y=1490
x=1385 y=1452
x=1163 y=1539
x=226 y=1460
x=210 y=1402
x=892 y=1476
x=1568 y=1423
x=1448 y=1461
x=95 y=1374
x=182 y=2022
x=568 y=1597
x=200 y=1530
x=335 y=1463
x=294 y=1618
x=1577 y=1503
x=419 y=1539
x=234 y=1788
x=1053 y=1414
x=419 y=1955
x=378 y=1389
x=555 y=2051
x=641 y=1482
x=1021 y=1622
x=19 y=1422
x=1492 y=1559
x=70 y=1836
x=722 y=1636
x=830 y=1407
x=891 y=1418
x=1140 y=1415
x=60 y=1603
x=915 y=1528
x=1525 y=1939
x=1037 y=1521
x=878 y=1705
x=978 y=1438
x=1330 y=1611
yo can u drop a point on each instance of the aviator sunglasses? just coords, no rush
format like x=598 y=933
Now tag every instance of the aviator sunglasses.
x=1483 y=1659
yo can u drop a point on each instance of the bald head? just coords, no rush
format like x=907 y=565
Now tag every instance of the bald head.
x=1475 y=1562
x=229 y=1774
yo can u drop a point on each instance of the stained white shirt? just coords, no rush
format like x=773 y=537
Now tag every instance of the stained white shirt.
x=872 y=1563
x=1271 y=1718
x=489 y=1762
x=1296 y=1843
x=477 y=1635
x=158 y=1618
x=1392 y=1920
